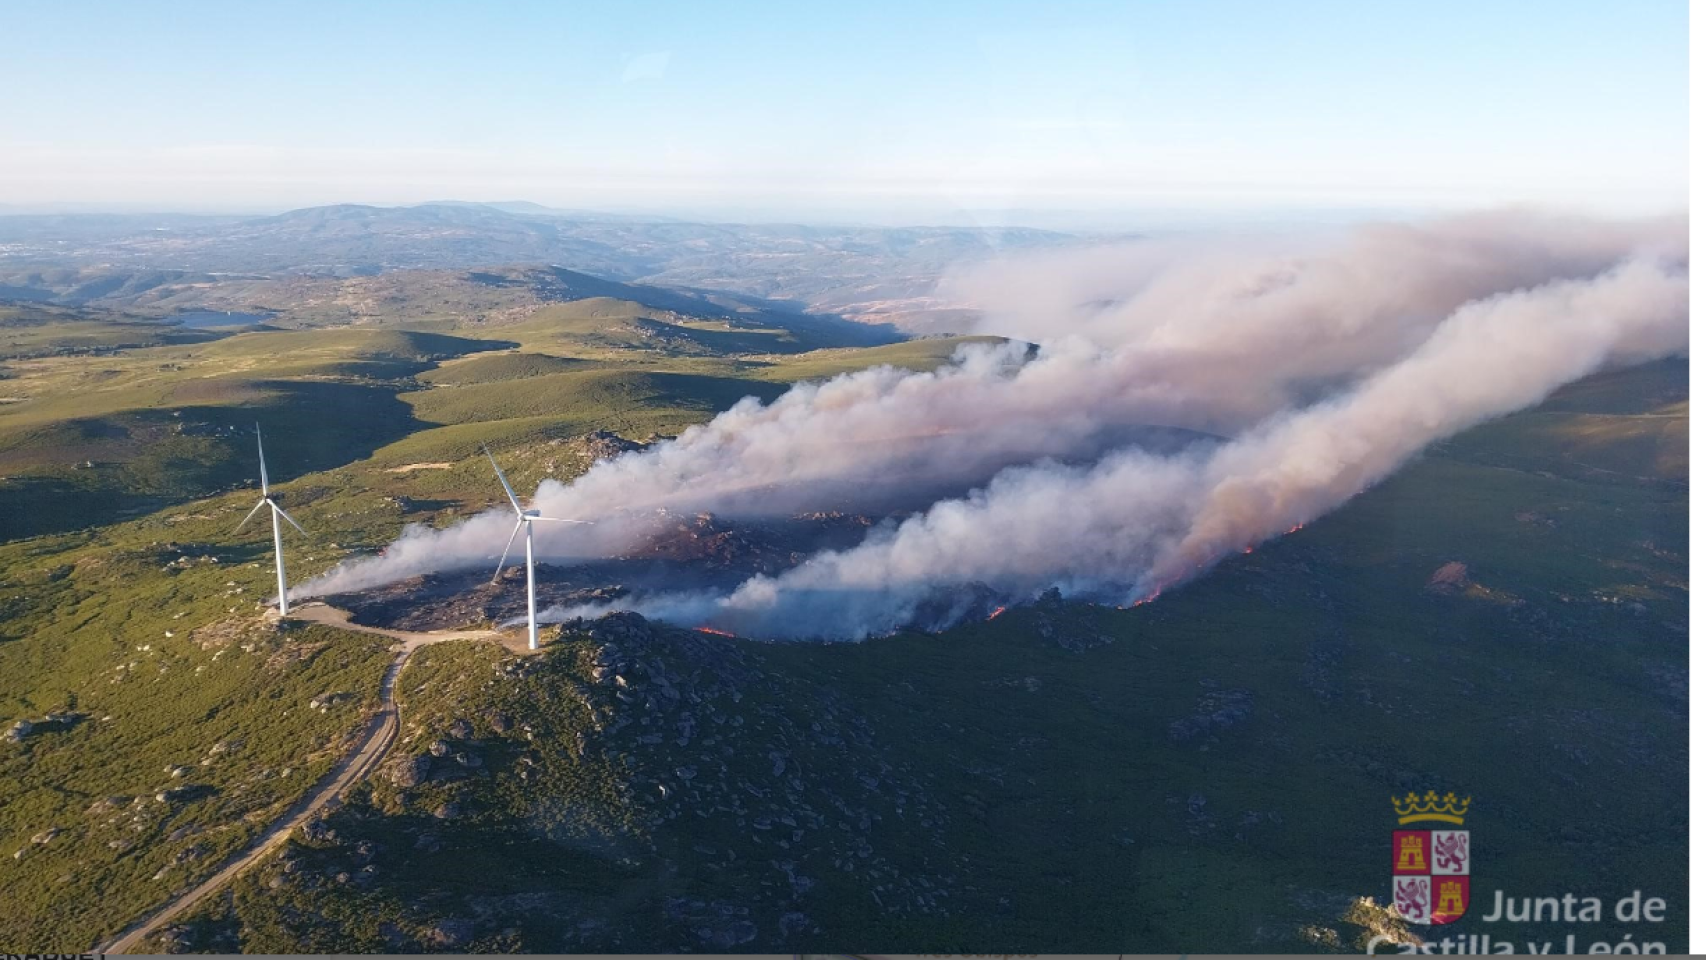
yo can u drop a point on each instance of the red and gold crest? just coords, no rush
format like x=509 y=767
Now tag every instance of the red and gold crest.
x=1430 y=868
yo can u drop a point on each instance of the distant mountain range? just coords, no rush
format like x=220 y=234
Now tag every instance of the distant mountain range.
x=863 y=272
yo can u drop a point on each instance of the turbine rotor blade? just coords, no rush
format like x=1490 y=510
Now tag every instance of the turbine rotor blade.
x=251 y=515
x=562 y=520
x=505 y=481
x=263 y=452
x=505 y=557
x=289 y=519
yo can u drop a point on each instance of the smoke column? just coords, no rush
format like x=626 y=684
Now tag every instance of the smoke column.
x=1135 y=523
x=1322 y=366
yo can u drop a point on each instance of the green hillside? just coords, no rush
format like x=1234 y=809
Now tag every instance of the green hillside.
x=1210 y=770
x=1218 y=760
x=28 y=331
x=1215 y=762
x=129 y=606
x=490 y=368
x=586 y=398
x=104 y=417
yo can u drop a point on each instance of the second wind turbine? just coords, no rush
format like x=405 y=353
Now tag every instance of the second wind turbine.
x=524 y=521
x=277 y=535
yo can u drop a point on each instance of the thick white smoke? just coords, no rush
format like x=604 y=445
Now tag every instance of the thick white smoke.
x=1324 y=366
x=1138 y=522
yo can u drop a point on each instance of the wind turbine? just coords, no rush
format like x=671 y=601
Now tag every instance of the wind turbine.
x=523 y=520
x=277 y=511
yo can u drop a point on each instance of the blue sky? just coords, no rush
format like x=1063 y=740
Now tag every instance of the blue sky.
x=875 y=111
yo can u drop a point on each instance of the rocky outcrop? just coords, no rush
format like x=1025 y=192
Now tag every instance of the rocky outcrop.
x=602 y=445
x=412 y=771
x=1218 y=709
x=696 y=717
x=186 y=793
x=56 y=721
x=1449 y=579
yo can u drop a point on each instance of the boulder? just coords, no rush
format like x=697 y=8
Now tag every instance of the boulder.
x=412 y=772
x=450 y=933
x=185 y=793
x=326 y=701
x=317 y=831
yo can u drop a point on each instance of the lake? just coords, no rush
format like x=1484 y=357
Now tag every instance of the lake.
x=217 y=318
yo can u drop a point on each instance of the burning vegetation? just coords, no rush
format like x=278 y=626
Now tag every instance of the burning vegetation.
x=702 y=551
x=1019 y=466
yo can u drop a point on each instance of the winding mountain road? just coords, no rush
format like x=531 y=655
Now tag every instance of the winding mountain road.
x=370 y=748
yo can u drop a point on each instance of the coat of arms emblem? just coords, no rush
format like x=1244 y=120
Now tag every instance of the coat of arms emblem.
x=1430 y=868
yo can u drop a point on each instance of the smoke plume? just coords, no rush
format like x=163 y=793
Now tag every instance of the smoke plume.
x=1182 y=400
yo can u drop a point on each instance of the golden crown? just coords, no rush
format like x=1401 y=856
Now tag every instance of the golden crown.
x=1431 y=806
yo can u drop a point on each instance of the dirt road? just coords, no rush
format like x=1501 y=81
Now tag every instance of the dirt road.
x=333 y=617
x=369 y=750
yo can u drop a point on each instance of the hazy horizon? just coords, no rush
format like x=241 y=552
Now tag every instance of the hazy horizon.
x=1087 y=222
x=1090 y=114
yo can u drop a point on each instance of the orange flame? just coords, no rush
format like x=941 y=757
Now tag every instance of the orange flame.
x=1249 y=550
x=1153 y=594
x=714 y=630
x=998 y=612
x=1295 y=528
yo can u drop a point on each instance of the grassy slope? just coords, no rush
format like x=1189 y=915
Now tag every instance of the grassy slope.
x=1214 y=776
x=1363 y=682
x=165 y=661
x=591 y=398
x=83 y=590
x=911 y=355
x=492 y=368
x=147 y=422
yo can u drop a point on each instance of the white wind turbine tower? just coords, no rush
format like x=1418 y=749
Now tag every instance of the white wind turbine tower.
x=277 y=511
x=524 y=519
